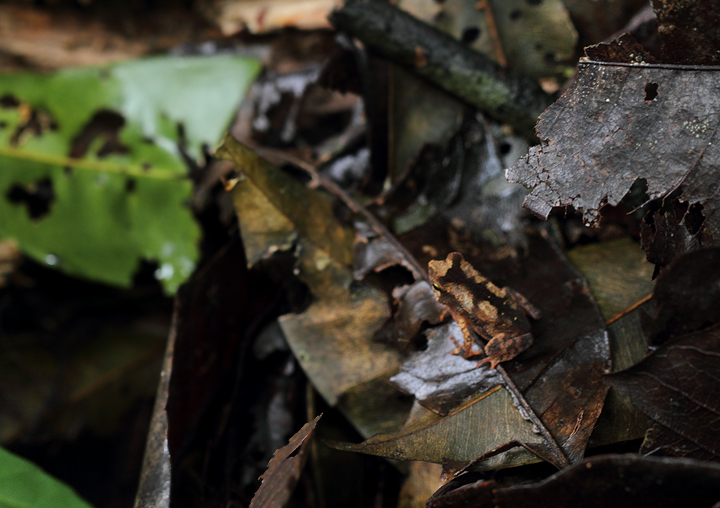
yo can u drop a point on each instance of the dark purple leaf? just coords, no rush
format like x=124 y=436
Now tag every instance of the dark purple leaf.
x=677 y=386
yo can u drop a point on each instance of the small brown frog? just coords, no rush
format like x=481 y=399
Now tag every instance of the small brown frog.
x=497 y=315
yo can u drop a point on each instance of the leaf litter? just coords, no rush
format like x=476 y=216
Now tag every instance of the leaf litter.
x=568 y=364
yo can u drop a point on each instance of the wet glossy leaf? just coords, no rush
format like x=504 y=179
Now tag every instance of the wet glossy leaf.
x=440 y=380
x=95 y=202
x=611 y=480
x=284 y=470
x=24 y=484
x=676 y=387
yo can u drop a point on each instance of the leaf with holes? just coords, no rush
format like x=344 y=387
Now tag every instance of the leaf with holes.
x=92 y=179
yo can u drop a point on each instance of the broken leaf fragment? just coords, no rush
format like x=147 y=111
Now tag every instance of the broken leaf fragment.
x=284 y=470
x=619 y=123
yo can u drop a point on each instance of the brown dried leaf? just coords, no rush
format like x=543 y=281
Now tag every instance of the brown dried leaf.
x=676 y=387
x=462 y=436
x=284 y=470
x=617 y=272
x=620 y=481
x=270 y=203
x=332 y=339
x=618 y=124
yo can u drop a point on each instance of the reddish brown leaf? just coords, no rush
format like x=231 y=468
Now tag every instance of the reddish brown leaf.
x=284 y=470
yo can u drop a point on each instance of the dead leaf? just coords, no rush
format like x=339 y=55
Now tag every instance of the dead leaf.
x=285 y=203
x=617 y=272
x=462 y=436
x=284 y=470
x=440 y=380
x=687 y=296
x=535 y=38
x=622 y=481
x=415 y=304
x=332 y=339
x=689 y=31
x=618 y=124
x=375 y=253
x=675 y=386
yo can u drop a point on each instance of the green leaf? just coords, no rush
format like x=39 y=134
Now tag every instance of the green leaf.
x=110 y=211
x=24 y=485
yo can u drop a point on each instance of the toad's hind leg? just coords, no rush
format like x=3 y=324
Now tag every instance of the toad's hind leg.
x=504 y=347
x=466 y=348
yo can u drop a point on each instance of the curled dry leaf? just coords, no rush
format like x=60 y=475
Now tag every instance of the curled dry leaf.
x=676 y=387
x=415 y=304
x=284 y=470
x=376 y=253
x=623 y=481
x=440 y=380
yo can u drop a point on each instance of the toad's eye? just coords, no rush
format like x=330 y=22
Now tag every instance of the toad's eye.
x=435 y=286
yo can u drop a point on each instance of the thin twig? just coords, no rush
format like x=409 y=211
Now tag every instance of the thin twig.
x=629 y=309
x=494 y=35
